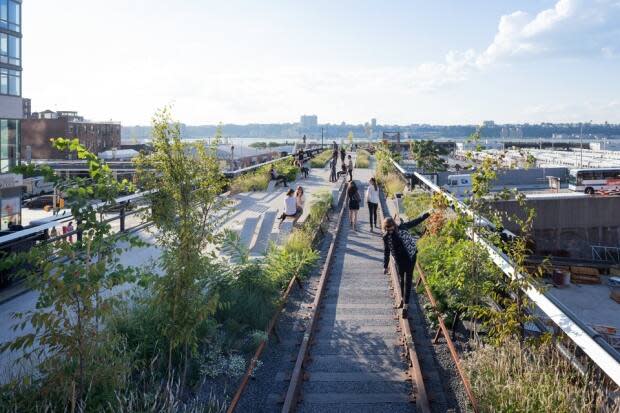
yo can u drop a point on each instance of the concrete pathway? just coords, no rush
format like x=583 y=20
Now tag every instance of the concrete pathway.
x=255 y=214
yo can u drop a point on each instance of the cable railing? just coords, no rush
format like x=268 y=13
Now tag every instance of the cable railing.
x=586 y=338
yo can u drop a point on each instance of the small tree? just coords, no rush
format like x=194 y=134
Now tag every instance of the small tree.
x=350 y=139
x=427 y=156
x=74 y=281
x=508 y=292
x=188 y=213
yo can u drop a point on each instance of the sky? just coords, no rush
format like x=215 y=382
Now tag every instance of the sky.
x=270 y=61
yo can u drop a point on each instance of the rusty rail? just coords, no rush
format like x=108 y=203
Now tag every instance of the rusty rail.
x=290 y=400
x=272 y=323
x=453 y=352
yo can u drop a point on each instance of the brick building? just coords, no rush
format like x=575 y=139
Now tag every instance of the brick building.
x=41 y=127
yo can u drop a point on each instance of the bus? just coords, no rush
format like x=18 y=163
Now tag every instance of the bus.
x=591 y=180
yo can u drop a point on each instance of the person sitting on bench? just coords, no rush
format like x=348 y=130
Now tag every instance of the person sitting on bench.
x=291 y=209
x=280 y=179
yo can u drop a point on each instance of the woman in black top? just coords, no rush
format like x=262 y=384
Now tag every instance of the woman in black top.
x=354 y=204
x=400 y=244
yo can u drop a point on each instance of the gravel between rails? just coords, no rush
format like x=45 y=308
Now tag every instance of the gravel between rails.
x=270 y=381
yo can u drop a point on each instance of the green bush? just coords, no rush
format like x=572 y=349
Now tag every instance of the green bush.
x=362 y=159
x=321 y=204
x=321 y=159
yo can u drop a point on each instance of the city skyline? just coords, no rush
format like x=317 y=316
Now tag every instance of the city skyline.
x=401 y=62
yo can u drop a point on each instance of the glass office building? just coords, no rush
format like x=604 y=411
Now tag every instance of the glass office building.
x=11 y=109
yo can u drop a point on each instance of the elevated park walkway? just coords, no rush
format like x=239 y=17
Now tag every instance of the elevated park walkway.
x=340 y=342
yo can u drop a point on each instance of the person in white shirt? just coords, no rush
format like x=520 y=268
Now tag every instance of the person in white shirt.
x=350 y=168
x=290 y=208
x=372 y=199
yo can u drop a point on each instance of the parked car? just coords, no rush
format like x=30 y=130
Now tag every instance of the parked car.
x=41 y=202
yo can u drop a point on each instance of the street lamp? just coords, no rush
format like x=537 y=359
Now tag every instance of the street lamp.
x=581 y=144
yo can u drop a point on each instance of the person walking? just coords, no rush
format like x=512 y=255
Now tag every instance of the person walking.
x=305 y=167
x=290 y=208
x=354 y=204
x=350 y=168
x=372 y=199
x=70 y=229
x=401 y=245
x=332 y=167
x=343 y=153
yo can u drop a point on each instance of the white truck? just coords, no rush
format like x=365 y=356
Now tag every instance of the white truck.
x=459 y=185
x=37 y=185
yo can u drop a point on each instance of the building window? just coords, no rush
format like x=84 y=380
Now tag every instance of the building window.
x=10 y=15
x=10 y=49
x=10 y=82
x=9 y=143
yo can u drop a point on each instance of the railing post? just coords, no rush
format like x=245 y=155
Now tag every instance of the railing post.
x=122 y=218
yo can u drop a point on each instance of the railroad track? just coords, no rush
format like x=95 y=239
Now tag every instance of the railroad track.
x=357 y=353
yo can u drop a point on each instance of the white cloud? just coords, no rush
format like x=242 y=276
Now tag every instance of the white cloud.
x=598 y=111
x=571 y=28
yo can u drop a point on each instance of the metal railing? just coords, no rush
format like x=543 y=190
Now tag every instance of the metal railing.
x=40 y=233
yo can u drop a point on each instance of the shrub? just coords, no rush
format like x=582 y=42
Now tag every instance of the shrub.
x=362 y=159
x=321 y=159
x=294 y=259
x=520 y=378
x=322 y=203
x=415 y=203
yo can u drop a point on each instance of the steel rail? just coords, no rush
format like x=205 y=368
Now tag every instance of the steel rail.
x=590 y=342
x=290 y=399
x=271 y=326
x=453 y=352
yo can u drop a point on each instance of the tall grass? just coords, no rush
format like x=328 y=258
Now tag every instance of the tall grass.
x=522 y=378
x=259 y=180
x=386 y=174
x=321 y=159
x=362 y=159
x=392 y=183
